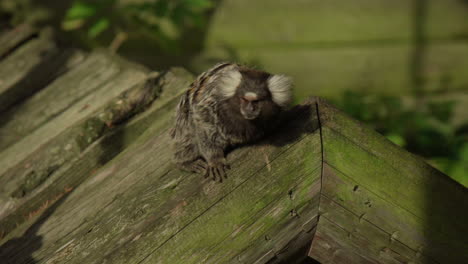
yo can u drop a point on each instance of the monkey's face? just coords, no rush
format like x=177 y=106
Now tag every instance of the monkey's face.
x=250 y=106
x=257 y=95
x=255 y=100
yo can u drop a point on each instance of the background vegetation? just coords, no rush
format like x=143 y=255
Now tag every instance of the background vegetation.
x=402 y=71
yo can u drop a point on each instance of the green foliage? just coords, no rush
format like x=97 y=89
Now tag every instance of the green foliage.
x=80 y=10
x=161 y=20
x=426 y=130
x=97 y=28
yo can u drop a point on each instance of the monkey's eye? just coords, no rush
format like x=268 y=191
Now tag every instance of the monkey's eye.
x=249 y=100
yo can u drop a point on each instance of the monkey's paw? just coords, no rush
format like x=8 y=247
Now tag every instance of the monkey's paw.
x=217 y=170
x=197 y=166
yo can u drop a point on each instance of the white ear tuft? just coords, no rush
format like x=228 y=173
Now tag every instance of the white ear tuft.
x=228 y=82
x=280 y=87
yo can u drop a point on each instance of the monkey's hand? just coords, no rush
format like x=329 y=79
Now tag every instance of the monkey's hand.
x=197 y=166
x=217 y=169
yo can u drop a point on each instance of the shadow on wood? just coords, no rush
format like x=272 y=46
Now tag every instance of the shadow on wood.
x=21 y=249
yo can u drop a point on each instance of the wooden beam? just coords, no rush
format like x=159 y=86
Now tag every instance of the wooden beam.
x=378 y=197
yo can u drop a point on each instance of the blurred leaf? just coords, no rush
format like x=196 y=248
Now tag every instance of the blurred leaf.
x=168 y=28
x=459 y=172
x=199 y=4
x=462 y=130
x=442 y=111
x=80 y=10
x=456 y=169
x=392 y=102
x=199 y=20
x=440 y=163
x=142 y=8
x=179 y=15
x=161 y=8
x=74 y=24
x=463 y=153
x=98 y=27
x=396 y=139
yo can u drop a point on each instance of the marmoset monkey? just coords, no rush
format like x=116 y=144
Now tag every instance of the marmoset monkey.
x=227 y=105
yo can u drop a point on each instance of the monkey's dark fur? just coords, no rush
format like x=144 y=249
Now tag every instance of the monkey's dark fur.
x=227 y=105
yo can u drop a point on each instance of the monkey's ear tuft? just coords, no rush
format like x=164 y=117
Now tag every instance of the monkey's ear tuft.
x=280 y=87
x=229 y=80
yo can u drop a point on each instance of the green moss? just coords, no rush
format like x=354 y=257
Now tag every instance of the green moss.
x=243 y=207
x=90 y=131
x=32 y=180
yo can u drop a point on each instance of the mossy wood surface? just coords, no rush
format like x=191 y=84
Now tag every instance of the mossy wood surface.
x=86 y=177
x=380 y=203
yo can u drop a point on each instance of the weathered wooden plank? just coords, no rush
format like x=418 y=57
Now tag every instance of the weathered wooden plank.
x=188 y=193
x=84 y=79
x=14 y=37
x=386 y=69
x=295 y=252
x=31 y=67
x=360 y=165
x=80 y=166
x=16 y=153
x=159 y=198
x=372 y=241
x=401 y=225
x=430 y=203
x=444 y=67
x=342 y=129
x=335 y=22
x=198 y=242
x=331 y=245
x=391 y=45
x=31 y=161
x=375 y=69
x=273 y=243
x=374 y=163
